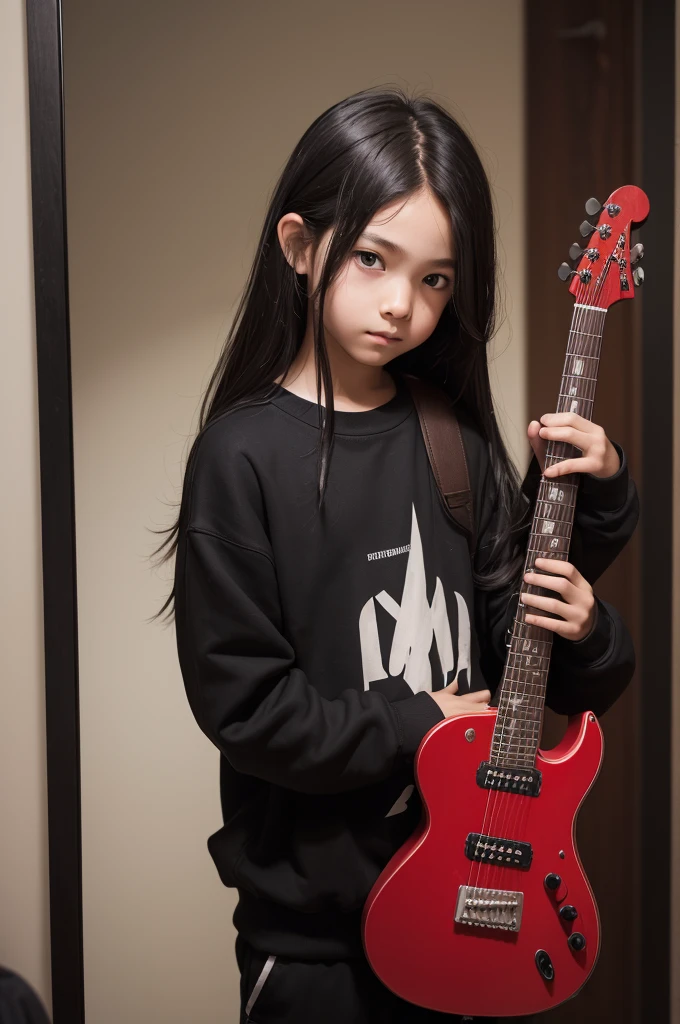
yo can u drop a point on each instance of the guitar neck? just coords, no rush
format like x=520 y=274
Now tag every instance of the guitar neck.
x=523 y=686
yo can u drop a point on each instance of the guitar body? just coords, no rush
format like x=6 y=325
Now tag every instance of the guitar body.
x=411 y=938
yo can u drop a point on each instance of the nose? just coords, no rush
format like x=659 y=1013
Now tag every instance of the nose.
x=397 y=304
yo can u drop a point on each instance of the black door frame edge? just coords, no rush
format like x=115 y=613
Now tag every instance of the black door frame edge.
x=55 y=430
x=50 y=253
x=657 y=54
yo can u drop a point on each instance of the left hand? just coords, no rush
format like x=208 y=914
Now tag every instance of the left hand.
x=599 y=455
x=577 y=605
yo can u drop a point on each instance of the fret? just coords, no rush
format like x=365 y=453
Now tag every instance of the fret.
x=546 y=506
x=578 y=376
x=546 y=522
x=589 y=384
x=533 y=719
x=599 y=336
x=517 y=742
x=522 y=748
x=560 y=458
x=518 y=655
x=528 y=687
x=516 y=706
x=582 y=398
x=581 y=355
x=519 y=726
x=528 y=658
x=529 y=639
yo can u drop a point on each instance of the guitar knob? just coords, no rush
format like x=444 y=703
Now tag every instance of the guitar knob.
x=636 y=253
x=544 y=964
x=575 y=251
x=577 y=941
x=568 y=913
x=564 y=271
x=593 y=207
x=586 y=228
x=552 y=882
x=638 y=276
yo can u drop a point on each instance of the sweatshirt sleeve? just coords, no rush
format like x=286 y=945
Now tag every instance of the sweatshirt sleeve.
x=591 y=673
x=244 y=687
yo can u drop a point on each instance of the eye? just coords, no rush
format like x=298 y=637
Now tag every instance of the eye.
x=365 y=252
x=445 y=279
x=373 y=255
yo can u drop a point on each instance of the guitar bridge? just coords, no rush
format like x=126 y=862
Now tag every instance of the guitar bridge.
x=489 y=908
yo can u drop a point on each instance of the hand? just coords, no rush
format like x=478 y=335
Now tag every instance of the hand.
x=577 y=605
x=599 y=455
x=466 y=704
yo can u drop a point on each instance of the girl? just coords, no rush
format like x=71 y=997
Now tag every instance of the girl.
x=328 y=613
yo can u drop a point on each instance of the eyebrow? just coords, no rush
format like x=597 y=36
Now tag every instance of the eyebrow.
x=397 y=249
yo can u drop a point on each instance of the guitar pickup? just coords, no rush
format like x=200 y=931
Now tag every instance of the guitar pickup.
x=502 y=852
x=508 y=779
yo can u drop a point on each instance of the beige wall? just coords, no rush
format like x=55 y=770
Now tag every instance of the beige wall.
x=24 y=907
x=178 y=119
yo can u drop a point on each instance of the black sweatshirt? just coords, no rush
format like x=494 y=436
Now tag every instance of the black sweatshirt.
x=309 y=644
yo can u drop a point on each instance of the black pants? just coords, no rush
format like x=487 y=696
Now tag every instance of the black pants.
x=277 y=990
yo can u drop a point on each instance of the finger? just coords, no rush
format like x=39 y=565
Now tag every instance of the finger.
x=547 y=581
x=570 y=419
x=574 y=435
x=556 y=625
x=567 y=629
x=563 y=568
x=584 y=465
x=472 y=709
x=550 y=604
x=453 y=686
x=558 y=565
x=479 y=696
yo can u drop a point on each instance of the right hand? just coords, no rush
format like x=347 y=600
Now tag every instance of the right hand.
x=466 y=704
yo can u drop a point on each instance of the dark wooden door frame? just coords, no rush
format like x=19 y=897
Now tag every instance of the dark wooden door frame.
x=55 y=426
x=50 y=252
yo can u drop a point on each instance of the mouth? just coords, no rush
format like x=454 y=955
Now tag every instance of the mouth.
x=383 y=335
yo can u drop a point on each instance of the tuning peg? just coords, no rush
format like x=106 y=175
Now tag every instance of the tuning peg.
x=564 y=271
x=636 y=253
x=587 y=228
x=575 y=251
x=593 y=207
x=638 y=276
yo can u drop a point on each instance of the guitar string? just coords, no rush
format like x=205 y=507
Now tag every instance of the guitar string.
x=580 y=322
x=514 y=820
x=580 y=344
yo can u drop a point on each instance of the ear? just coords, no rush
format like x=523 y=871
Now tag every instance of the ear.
x=294 y=243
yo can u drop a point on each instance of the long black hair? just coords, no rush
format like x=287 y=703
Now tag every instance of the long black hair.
x=370 y=149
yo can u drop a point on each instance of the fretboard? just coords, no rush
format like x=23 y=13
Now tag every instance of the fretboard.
x=523 y=686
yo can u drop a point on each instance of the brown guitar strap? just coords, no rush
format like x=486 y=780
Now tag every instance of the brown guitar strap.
x=444 y=444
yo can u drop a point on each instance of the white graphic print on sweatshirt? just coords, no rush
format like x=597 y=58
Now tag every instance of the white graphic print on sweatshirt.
x=416 y=622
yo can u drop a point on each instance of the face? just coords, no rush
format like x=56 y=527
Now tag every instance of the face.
x=398 y=279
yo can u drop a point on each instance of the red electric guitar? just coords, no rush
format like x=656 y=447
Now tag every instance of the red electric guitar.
x=486 y=909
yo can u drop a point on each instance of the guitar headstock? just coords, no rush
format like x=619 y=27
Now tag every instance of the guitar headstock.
x=605 y=270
